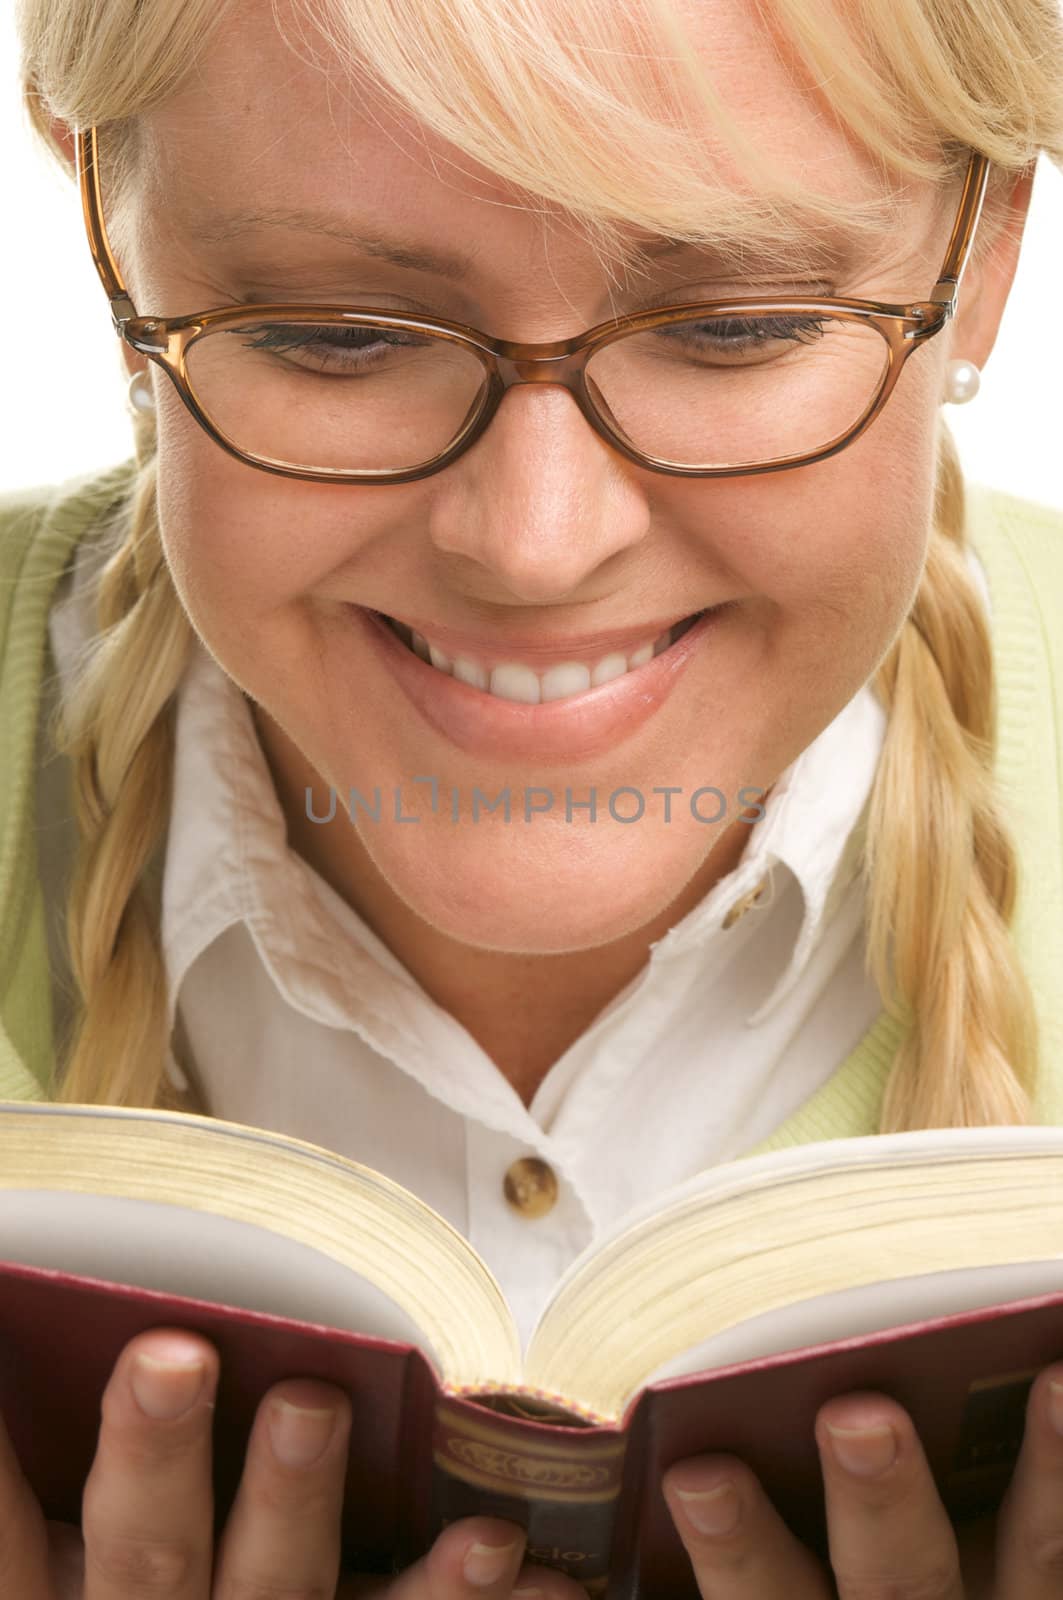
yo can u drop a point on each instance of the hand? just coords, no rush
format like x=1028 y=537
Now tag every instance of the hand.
x=148 y=1517
x=889 y=1535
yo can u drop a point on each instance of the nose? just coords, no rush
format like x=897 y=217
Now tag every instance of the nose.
x=540 y=500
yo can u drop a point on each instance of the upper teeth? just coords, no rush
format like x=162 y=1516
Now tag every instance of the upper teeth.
x=512 y=680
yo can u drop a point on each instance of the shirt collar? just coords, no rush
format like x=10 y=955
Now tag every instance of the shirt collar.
x=813 y=828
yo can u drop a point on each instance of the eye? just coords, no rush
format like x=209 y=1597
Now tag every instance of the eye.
x=343 y=350
x=742 y=338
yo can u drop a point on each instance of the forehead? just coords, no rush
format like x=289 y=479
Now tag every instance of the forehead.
x=278 y=120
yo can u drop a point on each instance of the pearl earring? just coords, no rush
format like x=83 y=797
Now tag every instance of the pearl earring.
x=962 y=379
x=140 y=392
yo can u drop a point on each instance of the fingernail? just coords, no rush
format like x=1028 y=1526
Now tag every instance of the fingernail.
x=485 y=1563
x=298 y=1434
x=864 y=1451
x=712 y=1510
x=167 y=1389
x=1055 y=1406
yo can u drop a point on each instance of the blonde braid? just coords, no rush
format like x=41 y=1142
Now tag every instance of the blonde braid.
x=117 y=728
x=940 y=864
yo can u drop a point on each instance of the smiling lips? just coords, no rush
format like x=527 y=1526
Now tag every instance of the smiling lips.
x=516 y=680
x=575 y=728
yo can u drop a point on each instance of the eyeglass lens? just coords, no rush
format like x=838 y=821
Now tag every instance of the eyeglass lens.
x=710 y=391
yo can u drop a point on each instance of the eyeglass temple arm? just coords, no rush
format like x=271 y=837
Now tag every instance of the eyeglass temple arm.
x=947 y=287
x=88 y=172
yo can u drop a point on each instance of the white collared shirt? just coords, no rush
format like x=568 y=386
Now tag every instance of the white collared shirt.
x=301 y=1020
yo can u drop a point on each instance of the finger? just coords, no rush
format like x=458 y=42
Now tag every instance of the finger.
x=739 y=1546
x=66 y=1561
x=888 y=1530
x=481 y=1558
x=147 y=1512
x=23 y=1534
x=284 y=1532
x=1029 y=1549
x=478 y=1556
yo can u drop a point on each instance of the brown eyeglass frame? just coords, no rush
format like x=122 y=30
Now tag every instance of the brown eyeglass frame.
x=165 y=340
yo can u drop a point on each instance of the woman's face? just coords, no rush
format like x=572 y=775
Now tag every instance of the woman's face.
x=540 y=530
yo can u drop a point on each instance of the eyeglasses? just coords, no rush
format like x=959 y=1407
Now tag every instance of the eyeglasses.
x=713 y=388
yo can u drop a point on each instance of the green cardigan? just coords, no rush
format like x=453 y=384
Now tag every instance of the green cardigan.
x=1020 y=544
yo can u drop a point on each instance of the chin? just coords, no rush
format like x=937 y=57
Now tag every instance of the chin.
x=540 y=909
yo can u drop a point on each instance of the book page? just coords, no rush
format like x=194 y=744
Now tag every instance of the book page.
x=153 y=1245
x=869 y=1308
x=919 y=1147
x=357 y=1224
x=762 y=1236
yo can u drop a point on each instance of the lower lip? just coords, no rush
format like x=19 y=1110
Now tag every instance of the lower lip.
x=576 y=728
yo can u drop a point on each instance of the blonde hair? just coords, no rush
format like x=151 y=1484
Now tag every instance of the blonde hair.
x=614 y=137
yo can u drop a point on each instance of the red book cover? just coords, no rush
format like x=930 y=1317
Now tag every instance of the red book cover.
x=588 y=1495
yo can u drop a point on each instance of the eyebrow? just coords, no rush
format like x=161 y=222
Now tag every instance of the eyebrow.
x=222 y=227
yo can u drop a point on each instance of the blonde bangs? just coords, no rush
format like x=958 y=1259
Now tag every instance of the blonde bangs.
x=607 y=114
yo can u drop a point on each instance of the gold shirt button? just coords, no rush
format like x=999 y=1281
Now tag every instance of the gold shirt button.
x=530 y=1187
x=741 y=906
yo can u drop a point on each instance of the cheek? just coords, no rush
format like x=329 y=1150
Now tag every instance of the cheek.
x=839 y=546
x=885 y=485
x=245 y=547
x=190 y=483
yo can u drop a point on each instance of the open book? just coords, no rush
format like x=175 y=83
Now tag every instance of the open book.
x=926 y=1265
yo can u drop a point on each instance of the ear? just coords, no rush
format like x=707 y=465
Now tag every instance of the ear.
x=64 y=137
x=988 y=277
x=62 y=134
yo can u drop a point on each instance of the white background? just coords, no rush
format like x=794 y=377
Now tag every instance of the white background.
x=66 y=414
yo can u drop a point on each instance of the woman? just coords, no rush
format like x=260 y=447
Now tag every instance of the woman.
x=480 y=1004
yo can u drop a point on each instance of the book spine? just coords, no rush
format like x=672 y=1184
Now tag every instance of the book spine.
x=561 y=1484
